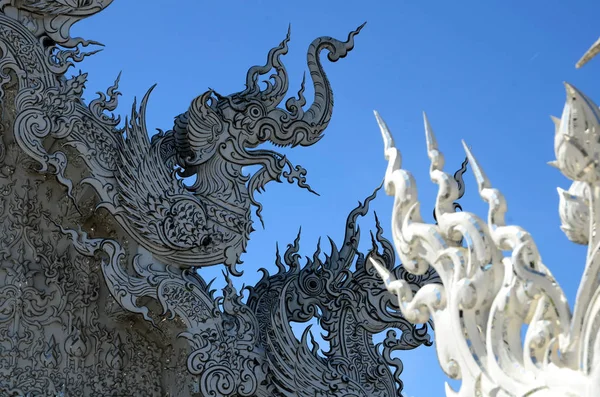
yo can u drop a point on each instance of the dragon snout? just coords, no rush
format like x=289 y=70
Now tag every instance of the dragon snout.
x=295 y=136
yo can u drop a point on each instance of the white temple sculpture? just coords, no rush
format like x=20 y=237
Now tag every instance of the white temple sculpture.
x=492 y=277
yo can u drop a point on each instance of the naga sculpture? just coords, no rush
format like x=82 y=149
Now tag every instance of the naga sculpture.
x=100 y=237
x=492 y=280
x=136 y=179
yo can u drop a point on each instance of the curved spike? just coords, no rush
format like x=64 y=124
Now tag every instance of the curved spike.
x=276 y=91
x=210 y=284
x=435 y=156
x=291 y=253
x=388 y=141
x=373 y=242
x=390 y=283
x=482 y=180
x=429 y=135
x=383 y=272
x=554 y=164
x=333 y=246
x=589 y=54
x=317 y=251
x=278 y=263
x=556 y=122
x=294 y=105
x=305 y=334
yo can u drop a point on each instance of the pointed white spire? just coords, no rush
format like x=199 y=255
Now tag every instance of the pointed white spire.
x=589 y=54
x=482 y=180
x=556 y=122
x=388 y=141
x=429 y=135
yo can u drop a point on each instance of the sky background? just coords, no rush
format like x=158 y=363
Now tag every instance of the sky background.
x=488 y=72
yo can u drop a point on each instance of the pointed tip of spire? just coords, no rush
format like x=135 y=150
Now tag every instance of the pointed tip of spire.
x=589 y=54
x=429 y=135
x=554 y=164
x=383 y=272
x=482 y=180
x=573 y=94
x=465 y=146
x=468 y=152
x=575 y=97
x=570 y=89
x=556 y=121
x=388 y=141
x=426 y=119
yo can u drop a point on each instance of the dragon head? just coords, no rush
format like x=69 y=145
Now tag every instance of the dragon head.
x=223 y=132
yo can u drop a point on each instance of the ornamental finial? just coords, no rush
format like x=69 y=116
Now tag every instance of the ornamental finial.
x=495 y=282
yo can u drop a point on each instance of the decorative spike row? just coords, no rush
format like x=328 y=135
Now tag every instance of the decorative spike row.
x=484 y=296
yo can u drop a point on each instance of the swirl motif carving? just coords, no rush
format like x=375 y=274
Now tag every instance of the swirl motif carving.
x=55 y=338
x=100 y=238
x=135 y=177
x=250 y=349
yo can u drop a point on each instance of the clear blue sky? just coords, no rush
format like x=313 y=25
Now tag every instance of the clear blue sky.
x=489 y=72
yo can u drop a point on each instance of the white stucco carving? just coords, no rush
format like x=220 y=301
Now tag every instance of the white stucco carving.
x=492 y=277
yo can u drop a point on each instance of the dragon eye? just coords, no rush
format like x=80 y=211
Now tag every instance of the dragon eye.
x=254 y=111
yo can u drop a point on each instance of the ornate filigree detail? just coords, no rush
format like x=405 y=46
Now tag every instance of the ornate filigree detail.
x=54 y=340
x=341 y=292
x=250 y=349
x=136 y=179
x=495 y=282
x=223 y=343
x=71 y=308
x=53 y=18
x=218 y=132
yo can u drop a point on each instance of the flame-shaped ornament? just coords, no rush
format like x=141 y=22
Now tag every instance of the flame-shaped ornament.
x=493 y=281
